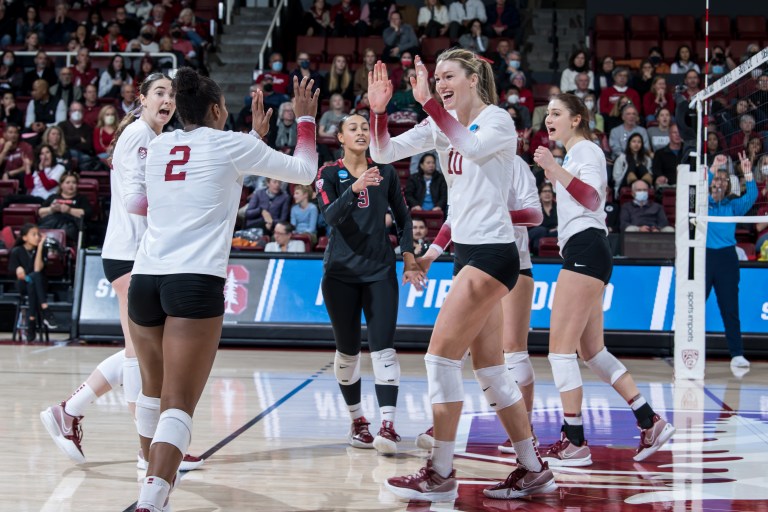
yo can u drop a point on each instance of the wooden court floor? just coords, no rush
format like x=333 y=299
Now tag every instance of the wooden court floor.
x=272 y=427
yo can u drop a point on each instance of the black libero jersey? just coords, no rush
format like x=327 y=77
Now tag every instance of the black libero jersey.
x=359 y=249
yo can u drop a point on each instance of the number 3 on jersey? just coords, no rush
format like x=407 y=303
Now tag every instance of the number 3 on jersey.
x=362 y=199
x=178 y=176
x=455 y=161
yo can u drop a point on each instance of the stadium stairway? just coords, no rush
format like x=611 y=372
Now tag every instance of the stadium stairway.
x=239 y=53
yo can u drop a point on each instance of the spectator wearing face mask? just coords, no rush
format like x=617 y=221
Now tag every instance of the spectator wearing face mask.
x=406 y=63
x=104 y=131
x=596 y=121
x=522 y=115
x=304 y=70
x=275 y=79
x=642 y=215
x=78 y=135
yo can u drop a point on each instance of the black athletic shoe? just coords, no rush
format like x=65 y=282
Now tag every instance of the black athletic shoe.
x=31 y=332
x=49 y=319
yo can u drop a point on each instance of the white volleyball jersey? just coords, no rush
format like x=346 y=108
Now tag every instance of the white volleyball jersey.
x=585 y=161
x=477 y=165
x=124 y=230
x=193 y=185
x=523 y=195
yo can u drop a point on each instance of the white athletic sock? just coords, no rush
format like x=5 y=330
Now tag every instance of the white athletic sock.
x=154 y=492
x=527 y=454
x=573 y=419
x=637 y=402
x=442 y=457
x=387 y=413
x=355 y=411
x=80 y=399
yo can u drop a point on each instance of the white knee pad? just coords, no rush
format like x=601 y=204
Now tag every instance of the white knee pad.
x=444 y=379
x=606 y=366
x=519 y=363
x=346 y=368
x=131 y=379
x=499 y=386
x=386 y=367
x=174 y=427
x=565 y=370
x=147 y=415
x=112 y=369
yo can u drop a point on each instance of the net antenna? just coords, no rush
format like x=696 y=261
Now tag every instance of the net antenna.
x=692 y=200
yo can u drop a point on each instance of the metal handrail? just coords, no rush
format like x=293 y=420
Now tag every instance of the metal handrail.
x=70 y=55
x=282 y=4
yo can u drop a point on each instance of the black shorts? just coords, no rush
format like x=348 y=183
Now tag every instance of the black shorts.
x=527 y=272
x=153 y=298
x=589 y=253
x=500 y=261
x=115 y=269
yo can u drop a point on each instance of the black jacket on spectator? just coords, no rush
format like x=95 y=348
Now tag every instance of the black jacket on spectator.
x=45 y=112
x=129 y=28
x=48 y=74
x=68 y=94
x=665 y=162
x=15 y=116
x=416 y=190
x=69 y=223
x=59 y=33
x=20 y=257
x=80 y=139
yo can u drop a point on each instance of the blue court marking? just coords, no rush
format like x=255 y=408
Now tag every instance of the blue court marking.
x=263 y=414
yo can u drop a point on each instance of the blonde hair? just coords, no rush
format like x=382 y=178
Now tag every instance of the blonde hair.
x=60 y=148
x=473 y=64
x=339 y=83
x=103 y=112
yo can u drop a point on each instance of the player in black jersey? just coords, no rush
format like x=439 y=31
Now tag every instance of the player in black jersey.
x=359 y=264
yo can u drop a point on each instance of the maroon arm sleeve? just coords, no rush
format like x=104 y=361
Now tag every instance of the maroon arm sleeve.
x=527 y=217
x=584 y=194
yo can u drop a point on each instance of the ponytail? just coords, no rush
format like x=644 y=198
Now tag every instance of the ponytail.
x=474 y=64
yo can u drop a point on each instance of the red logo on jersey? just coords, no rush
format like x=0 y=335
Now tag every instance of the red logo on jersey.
x=690 y=357
x=142 y=153
x=236 y=290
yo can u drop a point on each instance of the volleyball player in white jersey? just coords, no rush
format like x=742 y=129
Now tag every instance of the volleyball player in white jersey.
x=576 y=324
x=124 y=232
x=475 y=141
x=193 y=182
x=525 y=210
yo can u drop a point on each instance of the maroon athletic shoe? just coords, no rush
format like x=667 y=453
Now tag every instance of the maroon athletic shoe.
x=359 y=436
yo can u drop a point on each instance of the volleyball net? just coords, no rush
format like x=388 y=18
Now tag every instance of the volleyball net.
x=728 y=121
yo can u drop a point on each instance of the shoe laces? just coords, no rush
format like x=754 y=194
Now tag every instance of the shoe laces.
x=77 y=431
x=361 y=426
x=421 y=474
x=388 y=430
x=557 y=446
x=515 y=476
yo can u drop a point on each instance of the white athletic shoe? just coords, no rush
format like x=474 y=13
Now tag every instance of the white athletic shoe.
x=740 y=362
x=65 y=430
x=188 y=463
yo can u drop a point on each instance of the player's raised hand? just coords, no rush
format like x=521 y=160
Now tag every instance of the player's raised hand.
x=370 y=178
x=420 y=84
x=379 y=88
x=304 y=100
x=260 y=118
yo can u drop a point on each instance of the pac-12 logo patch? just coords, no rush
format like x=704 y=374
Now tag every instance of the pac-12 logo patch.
x=343 y=174
x=142 y=153
x=690 y=357
x=319 y=185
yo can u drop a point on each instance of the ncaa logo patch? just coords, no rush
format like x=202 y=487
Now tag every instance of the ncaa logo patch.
x=690 y=357
x=142 y=153
x=343 y=174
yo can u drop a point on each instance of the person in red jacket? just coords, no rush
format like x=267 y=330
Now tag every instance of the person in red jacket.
x=611 y=95
x=657 y=98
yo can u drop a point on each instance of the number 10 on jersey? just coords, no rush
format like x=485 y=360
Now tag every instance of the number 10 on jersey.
x=455 y=161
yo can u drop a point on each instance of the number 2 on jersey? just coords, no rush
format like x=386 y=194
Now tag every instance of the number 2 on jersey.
x=455 y=161
x=178 y=176
x=362 y=199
